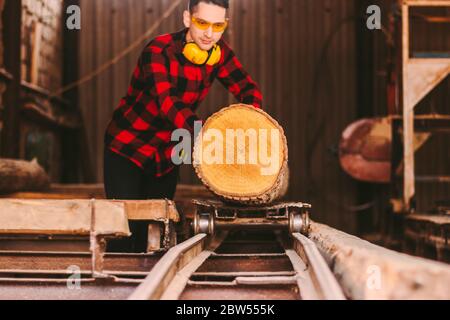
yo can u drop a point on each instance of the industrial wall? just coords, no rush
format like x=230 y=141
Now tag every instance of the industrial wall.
x=39 y=118
x=3 y=77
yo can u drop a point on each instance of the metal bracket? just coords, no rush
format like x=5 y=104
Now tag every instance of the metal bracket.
x=97 y=247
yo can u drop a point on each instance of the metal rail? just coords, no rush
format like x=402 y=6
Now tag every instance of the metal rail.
x=68 y=275
x=229 y=265
x=238 y=254
x=259 y=266
x=325 y=284
x=165 y=270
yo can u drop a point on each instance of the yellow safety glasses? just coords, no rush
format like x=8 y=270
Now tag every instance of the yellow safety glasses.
x=204 y=25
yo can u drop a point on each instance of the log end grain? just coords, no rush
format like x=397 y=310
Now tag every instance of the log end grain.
x=257 y=171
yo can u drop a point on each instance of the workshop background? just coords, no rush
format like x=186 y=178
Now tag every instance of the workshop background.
x=318 y=65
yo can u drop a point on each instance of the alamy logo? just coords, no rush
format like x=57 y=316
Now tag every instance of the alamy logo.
x=73 y=22
x=374 y=19
x=74 y=280
x=251 y=146
x=373 y=278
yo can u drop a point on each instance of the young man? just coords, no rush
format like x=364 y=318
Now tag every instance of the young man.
x=173 y=76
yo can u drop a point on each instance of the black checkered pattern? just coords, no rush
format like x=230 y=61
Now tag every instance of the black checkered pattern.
x=165 y=92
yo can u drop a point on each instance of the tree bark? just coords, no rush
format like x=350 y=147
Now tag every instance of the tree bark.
x=18 y=175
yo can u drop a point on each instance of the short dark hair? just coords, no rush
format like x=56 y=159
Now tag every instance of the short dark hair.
x=221 y=3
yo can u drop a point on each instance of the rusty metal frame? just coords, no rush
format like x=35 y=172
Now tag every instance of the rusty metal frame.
x=409 y=99
x=220 y=216
x=324 y=283
x=180 y=267
x=168 y=234
x=165 y=270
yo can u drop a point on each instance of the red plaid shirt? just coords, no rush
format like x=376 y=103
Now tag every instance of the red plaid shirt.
x=165 y=92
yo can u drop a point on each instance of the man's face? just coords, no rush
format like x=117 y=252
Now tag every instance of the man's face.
x=208 y=12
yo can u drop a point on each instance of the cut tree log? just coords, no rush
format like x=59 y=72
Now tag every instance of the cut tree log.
x=241 y=155
x=18 y=175
x=369 y=272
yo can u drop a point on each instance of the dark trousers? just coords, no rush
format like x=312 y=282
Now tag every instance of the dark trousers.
x=126 y=181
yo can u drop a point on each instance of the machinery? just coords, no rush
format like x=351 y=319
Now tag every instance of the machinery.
x=211 y=216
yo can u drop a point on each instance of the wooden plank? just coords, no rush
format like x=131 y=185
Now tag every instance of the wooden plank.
x=435 y=219
x=157 y=210
x=423 y=75
x=426 y=3
x=408 y=120
x=428 y=236
x=154 y=237
x=367 y=271
x=62 y=217
x=90 y=190
x=47 y=196
x=151 y=210
x=63 y=191
x=36 y=52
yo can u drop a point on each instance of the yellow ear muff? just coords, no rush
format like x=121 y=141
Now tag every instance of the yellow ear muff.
x=215 y=56
x=194 y=54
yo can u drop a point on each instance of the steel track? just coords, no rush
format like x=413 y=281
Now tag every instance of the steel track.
x=241 y=265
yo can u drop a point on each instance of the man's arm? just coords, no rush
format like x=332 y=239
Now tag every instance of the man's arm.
x=234 y=77
x=156 y=74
